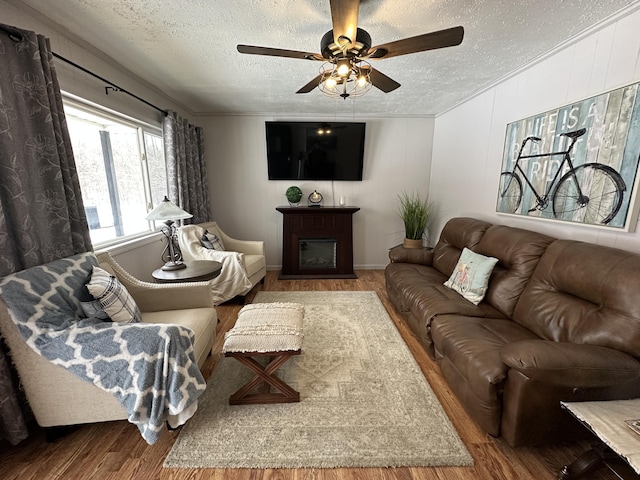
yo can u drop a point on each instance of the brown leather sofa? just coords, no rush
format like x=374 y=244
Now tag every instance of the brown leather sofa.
x=560 y=322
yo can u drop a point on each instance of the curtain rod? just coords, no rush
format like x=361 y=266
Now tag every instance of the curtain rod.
x=113 y=86
x=14 y=33
x=16 y=36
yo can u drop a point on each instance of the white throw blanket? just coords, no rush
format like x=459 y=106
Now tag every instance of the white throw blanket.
x=233 y=279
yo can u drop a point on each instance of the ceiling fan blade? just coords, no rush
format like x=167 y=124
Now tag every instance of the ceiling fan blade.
x=279 y=52
x=420 y=43
x=382 y=82
x=344 y=16
x=311 y=85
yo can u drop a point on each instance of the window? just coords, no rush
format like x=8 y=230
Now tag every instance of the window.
x=121 y=169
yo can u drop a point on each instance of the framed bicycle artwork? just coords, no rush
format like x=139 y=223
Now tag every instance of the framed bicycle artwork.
x=577 y=163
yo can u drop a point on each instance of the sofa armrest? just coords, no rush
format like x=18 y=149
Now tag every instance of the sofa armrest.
x=154 y=297
x=151 y=297
x=421 y=256
x=570 y=364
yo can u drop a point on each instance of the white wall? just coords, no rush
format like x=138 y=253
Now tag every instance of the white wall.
x=243 y=200
x=469 y=139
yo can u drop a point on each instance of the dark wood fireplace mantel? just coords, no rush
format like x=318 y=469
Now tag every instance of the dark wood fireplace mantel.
x=329 y=229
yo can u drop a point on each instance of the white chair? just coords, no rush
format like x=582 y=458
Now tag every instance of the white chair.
x=57 y=397
x=243 y=261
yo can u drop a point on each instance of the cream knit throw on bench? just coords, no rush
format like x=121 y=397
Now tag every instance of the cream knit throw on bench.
x=266 y=327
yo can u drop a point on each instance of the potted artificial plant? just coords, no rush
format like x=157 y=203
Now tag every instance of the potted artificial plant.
x=294 y=195
x=414 y=212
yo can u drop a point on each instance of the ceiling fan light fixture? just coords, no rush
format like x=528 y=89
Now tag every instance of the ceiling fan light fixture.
x=343 y=67
x=345 y=47
x=331 y=82
x=335 y=82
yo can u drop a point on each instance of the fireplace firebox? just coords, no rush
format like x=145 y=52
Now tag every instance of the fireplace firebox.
x=317 y=242
x=317 y=253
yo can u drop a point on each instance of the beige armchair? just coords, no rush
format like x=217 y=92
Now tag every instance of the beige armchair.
x=57 y=397
x=243 y=261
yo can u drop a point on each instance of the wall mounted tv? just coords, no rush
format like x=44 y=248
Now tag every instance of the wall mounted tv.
x=315 y=150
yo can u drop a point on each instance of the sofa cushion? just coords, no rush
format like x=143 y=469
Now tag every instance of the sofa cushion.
x=571 y=365
x=202 y=321
x=473 y=345
x=471 y=275
x=457 y=234
x=254 y=263
x=586 y=294
x=468 y=351
x=113 y=296
x=420 y=289
x=518 y=252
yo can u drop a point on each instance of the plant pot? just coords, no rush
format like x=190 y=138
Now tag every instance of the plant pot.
x=294 y=204
x=411 y=243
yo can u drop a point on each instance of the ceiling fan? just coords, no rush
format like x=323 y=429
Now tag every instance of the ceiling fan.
x=346 y=49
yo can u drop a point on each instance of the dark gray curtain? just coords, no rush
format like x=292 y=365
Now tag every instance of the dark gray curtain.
x=186 y=167
x=42 y=216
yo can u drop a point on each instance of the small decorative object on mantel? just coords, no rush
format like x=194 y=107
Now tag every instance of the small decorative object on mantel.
x=315 y=199
x=294 y=195
x=414 y=212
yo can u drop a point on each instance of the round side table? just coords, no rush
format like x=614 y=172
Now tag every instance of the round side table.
x=198 y=271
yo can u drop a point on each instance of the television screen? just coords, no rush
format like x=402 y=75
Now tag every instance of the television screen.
x=315 y=150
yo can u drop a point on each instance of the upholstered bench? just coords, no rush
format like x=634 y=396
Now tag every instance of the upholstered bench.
x=271 y=330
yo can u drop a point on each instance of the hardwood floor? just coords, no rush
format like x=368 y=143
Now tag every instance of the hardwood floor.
x=115 y=450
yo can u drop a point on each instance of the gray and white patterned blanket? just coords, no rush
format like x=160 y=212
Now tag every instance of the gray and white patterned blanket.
x=149 y=368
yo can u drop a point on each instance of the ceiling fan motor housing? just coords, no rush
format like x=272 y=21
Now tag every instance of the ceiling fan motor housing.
x=358 y=48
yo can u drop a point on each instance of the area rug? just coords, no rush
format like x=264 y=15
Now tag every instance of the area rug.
x=364 y=401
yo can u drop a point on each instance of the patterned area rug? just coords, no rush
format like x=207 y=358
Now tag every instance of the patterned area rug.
x=364 y=401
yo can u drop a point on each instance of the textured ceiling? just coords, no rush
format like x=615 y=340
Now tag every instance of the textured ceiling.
x=188 y=48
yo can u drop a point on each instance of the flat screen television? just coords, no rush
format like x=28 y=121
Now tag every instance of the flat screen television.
x=315 y=150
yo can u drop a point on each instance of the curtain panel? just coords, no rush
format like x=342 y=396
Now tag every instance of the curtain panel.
x=186 y=167
x=42 y=215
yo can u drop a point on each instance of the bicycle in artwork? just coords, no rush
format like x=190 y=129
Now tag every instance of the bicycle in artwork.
x=588 y=193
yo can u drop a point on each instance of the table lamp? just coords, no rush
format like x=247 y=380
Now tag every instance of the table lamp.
x=168 y=213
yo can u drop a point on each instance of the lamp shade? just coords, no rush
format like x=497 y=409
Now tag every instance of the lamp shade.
x=167 y=210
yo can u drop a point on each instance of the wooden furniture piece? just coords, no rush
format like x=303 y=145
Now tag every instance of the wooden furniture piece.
x=266 y=376
x=317 y=242
x=619 y=447
x=265 y=330
x=198 y=271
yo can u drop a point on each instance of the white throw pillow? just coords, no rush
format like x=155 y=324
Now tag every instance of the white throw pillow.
x=470 y=278
x=211 y=241
x=113 y=296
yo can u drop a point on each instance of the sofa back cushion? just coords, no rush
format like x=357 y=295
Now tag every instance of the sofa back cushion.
x=518 y=252
x=457 y=233
x=586 y=294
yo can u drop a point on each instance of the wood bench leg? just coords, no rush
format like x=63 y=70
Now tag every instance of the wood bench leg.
x=267 y=376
